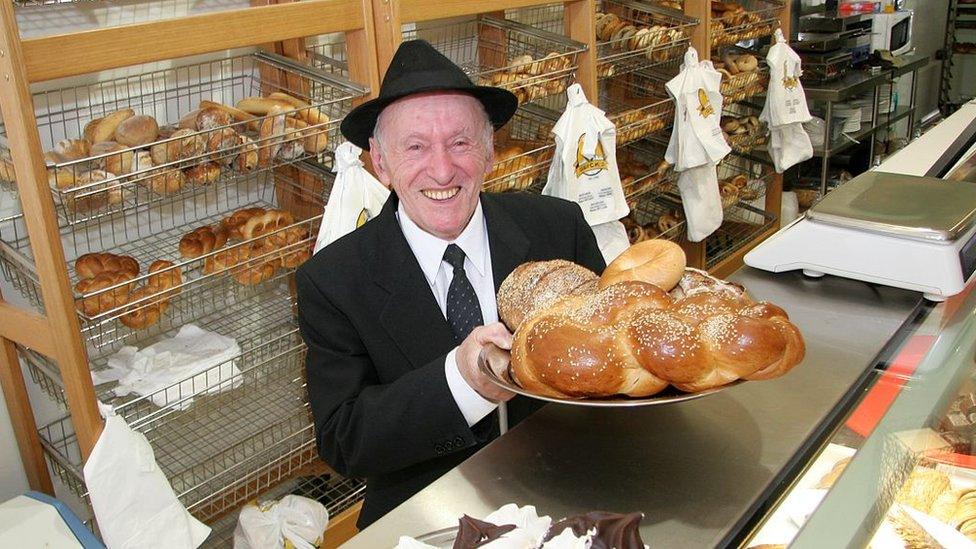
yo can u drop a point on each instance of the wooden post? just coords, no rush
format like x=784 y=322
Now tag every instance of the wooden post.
x=579 y=15
x=701 y=37
x=45 y=240
x=22 y=419
x=388 y=28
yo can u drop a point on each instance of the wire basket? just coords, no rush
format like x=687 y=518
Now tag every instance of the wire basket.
x=738 y=85
x=109 y=315
x=749 y=178
x=223 y=450
x=333 y=491
x=523 y=150
x=529 y=62
x=667 y=36
x=209 y=148
x=643 y=171
x=742 y=128
x=658 y=217
x=758 y=19
x=742 y=225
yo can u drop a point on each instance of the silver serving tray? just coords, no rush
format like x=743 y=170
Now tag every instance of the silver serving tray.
x=494 y=363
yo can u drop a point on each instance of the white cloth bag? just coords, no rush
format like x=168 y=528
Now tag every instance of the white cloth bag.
x=356 y=197
x=786 y=109
x=134 y=504
x=584 y=167
x=696 y=145
x=299 y=520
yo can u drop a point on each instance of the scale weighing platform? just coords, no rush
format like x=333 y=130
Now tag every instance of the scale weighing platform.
x=916 y=233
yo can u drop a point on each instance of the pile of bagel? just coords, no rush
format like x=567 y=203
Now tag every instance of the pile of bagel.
x=125 y=147
x=744 y=133
x=661 y=226
x=741 y=77
x=732 y=23
x=646 y=324
x=652 y=39
x=530 y=78
x=517 y=164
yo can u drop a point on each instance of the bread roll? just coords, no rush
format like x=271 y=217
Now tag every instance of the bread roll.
x=658 y=262
x=164 y=278
x=210 y=118
x=271 y=136
x=235 y=221
x=203 y=174
x=93 y=264
x=224 y=145
x=118 y=158
x=247 y=159
x=263 y=106
x=137 y=130
x=92 y=196
x=165 y=181
x=537 y=285
x=143 y=313
x=259 y=225
x=201 y=241
x=100 y=298
x=72 y=149
x=103 y=129
x=237 y=114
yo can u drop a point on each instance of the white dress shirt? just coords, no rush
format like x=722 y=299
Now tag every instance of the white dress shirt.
x=429 y=251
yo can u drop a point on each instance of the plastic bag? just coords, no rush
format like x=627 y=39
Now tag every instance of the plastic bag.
x=356 y=197
x=134 y=504
x=584 y=168
x=696 y=144
x=785 y=109
x=293 y=521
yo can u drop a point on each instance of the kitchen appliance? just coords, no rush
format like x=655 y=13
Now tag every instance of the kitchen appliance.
x=826 y=38
x=917 y=233
x=892 y=32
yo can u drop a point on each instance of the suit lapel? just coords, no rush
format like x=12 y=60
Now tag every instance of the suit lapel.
x=411 y=316
x=508 y=243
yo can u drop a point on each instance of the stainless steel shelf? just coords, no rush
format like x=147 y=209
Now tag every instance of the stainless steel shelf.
x=843 y=143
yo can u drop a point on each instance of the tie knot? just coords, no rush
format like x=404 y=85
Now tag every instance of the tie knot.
x=454 y=256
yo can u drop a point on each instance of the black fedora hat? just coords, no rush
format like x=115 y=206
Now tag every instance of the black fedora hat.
x=418 y=67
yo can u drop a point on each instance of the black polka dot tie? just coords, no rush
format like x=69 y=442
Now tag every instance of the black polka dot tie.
x=463 y=309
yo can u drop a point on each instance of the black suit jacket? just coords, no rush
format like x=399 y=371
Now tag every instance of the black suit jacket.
x=377 y=342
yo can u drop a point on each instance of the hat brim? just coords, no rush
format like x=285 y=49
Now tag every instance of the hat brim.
x=358 y=125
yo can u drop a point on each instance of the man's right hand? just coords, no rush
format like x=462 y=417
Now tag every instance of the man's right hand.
x=467 y=360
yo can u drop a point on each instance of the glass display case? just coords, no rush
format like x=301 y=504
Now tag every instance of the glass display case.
x=897 y=465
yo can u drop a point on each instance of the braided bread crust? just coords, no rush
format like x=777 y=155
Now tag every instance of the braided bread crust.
x=91 y=265
x=633 y=338
x=202 y=240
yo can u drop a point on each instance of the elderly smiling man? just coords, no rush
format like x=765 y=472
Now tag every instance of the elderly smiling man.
x=395 y=313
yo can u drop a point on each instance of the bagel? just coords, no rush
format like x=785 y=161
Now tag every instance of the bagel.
x=657 y=262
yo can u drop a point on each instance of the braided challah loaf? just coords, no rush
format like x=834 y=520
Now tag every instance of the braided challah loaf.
x=634 y=338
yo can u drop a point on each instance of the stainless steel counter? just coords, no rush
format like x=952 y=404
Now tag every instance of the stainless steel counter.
x=694 y=468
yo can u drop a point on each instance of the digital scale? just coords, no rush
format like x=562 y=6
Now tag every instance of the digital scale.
x=916 y=233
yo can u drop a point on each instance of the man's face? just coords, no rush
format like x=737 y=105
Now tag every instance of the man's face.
x=435 y=156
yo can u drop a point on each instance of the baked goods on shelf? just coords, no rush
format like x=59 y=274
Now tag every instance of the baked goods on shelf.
x=634 y=338
x=732 y=22
x=126 y=147
x=623 y=34
x=517 y=164
x=744 y=133
x=741 y=76
x=251 y=243
x=530 y=78
x=104 y=285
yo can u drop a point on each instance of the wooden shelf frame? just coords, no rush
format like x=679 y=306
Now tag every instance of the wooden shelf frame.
x=280 y=26
x=701 y=40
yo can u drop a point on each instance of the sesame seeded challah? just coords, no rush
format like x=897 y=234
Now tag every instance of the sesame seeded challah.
x=634 y=338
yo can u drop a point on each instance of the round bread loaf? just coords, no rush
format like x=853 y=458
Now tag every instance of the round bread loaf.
x=137 y=130
x=537 y=285
x=658 y=262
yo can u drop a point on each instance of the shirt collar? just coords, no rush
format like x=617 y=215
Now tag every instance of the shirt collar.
x=429 y=250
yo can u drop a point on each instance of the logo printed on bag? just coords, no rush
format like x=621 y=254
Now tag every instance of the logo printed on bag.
x=363 y=218
x=789 y=82
x=705 y=108
x=590 y=165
